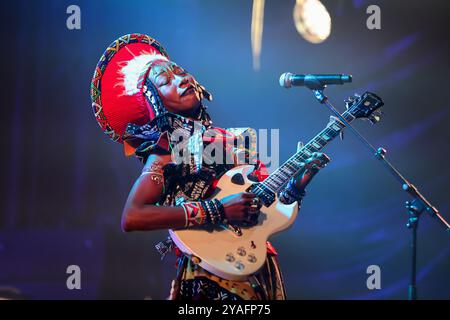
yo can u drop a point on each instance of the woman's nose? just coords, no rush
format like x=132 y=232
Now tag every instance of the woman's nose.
x=184 y=80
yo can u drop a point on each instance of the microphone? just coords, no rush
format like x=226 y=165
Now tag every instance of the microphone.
x=313 y=81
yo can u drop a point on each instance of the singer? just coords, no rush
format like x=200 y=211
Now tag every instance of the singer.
x=140 y=99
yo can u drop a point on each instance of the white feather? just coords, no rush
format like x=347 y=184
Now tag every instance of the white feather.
x=134 y=68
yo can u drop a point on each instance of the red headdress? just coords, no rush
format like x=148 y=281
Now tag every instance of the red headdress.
x=125 y=102
x=118 y=83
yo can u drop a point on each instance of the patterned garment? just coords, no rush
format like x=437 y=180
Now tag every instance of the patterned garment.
x=195 y=283
x=195 y=181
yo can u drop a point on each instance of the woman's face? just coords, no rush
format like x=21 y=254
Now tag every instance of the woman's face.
x=176 y=87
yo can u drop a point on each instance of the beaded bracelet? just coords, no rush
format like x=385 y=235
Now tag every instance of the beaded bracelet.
x=212 y=211
x=218 y=212
x=194 y=213
x=209 y=215
x=203 y=212
x=221 y=210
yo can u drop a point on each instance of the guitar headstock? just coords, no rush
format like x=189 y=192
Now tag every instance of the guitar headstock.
x=366 y=106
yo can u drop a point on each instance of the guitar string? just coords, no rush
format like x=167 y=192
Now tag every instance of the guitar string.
x=308 y=147
x=298 y=156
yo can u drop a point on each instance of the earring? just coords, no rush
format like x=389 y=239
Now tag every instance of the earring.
x=204 y=94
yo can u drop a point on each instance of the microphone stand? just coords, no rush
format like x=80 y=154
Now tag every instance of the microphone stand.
x=414 y=208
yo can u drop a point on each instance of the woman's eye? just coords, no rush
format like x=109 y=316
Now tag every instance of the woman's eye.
x=179 y=71
x=163 y=82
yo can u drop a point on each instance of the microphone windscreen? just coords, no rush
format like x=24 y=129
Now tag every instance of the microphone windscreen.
x=285 y=80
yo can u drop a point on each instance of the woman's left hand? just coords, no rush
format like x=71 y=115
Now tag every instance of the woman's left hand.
x=310 y=168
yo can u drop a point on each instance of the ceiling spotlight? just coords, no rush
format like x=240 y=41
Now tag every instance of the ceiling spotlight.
x=312 y=20
x=257 y=31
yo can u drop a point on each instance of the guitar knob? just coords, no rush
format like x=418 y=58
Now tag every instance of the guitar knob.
x=229 y=257
x=251 y=258
x=241 y=251
x=239 y=265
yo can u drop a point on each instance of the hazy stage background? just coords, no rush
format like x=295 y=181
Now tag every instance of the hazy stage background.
x=64 y=182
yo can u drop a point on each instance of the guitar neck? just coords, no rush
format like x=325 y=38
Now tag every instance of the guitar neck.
x=277 y=179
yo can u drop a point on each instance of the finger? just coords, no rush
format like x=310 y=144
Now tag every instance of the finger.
x=325 y=158
x=246 y=212
x=307 y=177
x=254 y=211
x=253 y=217
x=317 y=155
x=320 y=162
x=249 y=195
x=321 y=156
x=312 y=163
x=247 y=201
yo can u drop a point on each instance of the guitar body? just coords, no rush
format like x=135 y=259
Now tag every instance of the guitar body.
x=223 y=252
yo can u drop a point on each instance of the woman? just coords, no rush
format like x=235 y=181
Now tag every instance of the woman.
x=144 y=100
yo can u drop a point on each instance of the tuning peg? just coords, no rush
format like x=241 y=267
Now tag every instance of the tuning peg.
x=375 y=117
x=349 y=102
x=350 y=99
x=332 y=120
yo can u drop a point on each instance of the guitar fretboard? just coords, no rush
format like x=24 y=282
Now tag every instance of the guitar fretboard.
x=277 y=179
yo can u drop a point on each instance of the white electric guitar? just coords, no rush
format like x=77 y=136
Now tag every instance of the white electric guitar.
x=235 y=252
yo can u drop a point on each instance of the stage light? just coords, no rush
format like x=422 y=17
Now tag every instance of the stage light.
x=312 y=20
x=257 y=31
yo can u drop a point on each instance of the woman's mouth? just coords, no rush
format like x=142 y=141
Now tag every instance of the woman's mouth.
x=188 y=91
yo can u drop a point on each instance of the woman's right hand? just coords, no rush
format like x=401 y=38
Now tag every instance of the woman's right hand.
x=237 y=207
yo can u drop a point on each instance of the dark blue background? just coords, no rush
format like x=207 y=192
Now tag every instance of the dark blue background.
x=64 y=182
